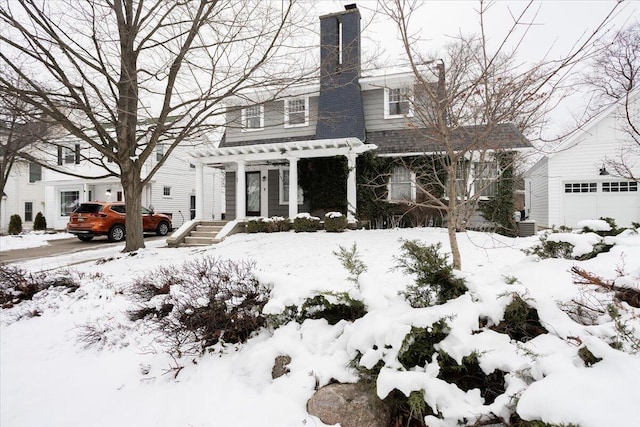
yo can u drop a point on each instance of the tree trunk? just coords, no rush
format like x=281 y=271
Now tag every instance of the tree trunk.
x=452 y=223
x=132 y=187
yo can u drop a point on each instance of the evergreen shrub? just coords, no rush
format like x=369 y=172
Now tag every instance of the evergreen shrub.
x=435 y=282
x=39 y=223
x=15 y=224
x=306 y=223
x=335 y=222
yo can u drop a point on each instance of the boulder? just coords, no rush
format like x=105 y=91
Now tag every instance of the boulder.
x=351 y=405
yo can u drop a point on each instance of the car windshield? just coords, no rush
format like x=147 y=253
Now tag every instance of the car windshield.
x=88 y=208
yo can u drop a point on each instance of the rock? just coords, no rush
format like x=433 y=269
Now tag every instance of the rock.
x=351 y=405
x=280 y=366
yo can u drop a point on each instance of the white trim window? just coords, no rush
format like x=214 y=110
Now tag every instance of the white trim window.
x=284 y=188
x=166 y=191
x=402 y=184
x=296 y=112
x=35 y=173
x=253 y=118
x=485 y=178
x=398 y=102
x=69 y=200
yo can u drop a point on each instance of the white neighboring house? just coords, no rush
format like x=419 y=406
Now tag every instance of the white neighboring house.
x=573 y=183
x=170 y=191
x=23 y=195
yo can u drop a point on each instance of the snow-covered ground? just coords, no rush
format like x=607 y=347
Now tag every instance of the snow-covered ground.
x=29 y=240
x=50 y=377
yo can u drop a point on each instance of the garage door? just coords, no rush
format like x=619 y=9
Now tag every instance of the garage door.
x=615 y=199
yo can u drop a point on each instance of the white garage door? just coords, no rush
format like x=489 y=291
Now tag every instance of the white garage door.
x=619 y=200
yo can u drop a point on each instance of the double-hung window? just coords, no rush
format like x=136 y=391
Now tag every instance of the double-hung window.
x=402 y=184
x=28 y=211
x=398 y=102
x=35 y=172
x=296 y=112
x=253 y=117
x=486 y=178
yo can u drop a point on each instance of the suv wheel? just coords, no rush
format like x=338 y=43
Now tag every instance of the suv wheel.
x=116 y=233
x=163 y=229
x=85 y=238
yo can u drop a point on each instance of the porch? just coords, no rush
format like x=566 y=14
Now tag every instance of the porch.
x=254 y=169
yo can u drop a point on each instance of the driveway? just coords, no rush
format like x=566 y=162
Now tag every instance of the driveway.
x=61 y=247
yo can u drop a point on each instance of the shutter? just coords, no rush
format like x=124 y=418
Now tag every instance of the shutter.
x=77 y=154
x=59 y=156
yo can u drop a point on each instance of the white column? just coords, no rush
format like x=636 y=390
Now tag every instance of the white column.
x=351 y=187
x=241 y=196
x=199 y=191
x=293 y=187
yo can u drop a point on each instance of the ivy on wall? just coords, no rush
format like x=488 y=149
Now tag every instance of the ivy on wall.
x=500 y=208
x=324 y=183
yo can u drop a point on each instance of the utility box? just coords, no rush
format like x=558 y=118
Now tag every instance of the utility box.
x=527 y=228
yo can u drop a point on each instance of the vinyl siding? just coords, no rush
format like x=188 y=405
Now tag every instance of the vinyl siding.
x=273 y=124
x=373 y=101
x=537 y=193
x=230 y=191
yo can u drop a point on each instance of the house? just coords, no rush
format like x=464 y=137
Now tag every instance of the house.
x=23 y=193
x=574 y=183
x=345 y=115
x=33 y=189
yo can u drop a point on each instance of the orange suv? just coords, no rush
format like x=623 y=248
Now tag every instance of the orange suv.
x=92 y=219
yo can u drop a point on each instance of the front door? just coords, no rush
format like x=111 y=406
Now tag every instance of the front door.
x=253 y=193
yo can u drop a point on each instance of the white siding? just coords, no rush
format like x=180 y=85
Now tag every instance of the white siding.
x=579 y=160
x=536 y=193
x=19 y=190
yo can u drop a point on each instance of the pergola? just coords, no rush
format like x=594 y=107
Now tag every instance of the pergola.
x=240 y=156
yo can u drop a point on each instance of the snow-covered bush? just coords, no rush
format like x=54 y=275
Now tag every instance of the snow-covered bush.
x=435 y=282
x=330 y=306
x=18 y=284
x=278 y=224
x=209 y=300
x=306 y=223
x=258 y=225
x=335 y=222
x=586 y=242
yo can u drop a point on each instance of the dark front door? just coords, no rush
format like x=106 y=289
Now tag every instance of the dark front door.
x=253 y=193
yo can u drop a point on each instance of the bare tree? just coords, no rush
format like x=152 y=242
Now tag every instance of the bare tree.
x=472 y=106
x=123 y=76
x=614 y=77
x=21 y=128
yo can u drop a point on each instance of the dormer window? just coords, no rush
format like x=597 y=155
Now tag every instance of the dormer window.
x=397 y=102
x=253 y=117
x=296 y=112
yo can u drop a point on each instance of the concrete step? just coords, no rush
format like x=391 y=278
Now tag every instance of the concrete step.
x=209 y=228
x=199 y=233
x=199 y=241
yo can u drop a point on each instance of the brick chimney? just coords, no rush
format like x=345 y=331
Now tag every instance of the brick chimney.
x=340 y=109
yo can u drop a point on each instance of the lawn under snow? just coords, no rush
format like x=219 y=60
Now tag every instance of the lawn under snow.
x=29 y=240
x=50 y=378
